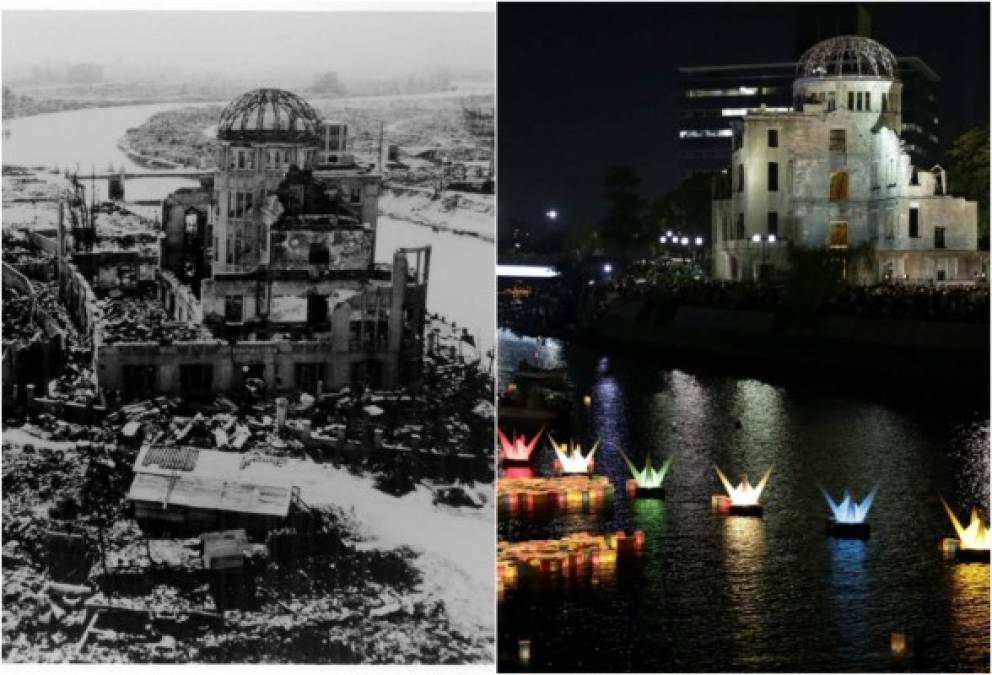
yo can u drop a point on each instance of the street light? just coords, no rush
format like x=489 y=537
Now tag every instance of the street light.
x=669 y=234
x=699 y=241
x=552 y=214
x=663 y=239
x=607 y=268
x=685 y=241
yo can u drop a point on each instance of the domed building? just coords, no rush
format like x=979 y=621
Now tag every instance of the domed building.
x=288 y=251
x=832 y=174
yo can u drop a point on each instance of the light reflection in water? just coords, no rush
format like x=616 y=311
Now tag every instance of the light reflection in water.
x=849 y=589
x=969 y=601
x=744 y=559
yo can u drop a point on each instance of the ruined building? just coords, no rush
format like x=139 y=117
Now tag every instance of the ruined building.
x=833 y=174
x=272 y=263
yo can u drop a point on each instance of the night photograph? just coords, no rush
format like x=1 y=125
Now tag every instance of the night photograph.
x=743 y=337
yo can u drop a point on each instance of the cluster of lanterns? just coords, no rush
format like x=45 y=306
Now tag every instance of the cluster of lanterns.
x=574 y=556
x=580 y=493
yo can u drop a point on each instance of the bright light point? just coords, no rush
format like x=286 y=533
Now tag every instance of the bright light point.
x=848 y=510
x=755 y=238
x=744 y=494
x=571 y=458
x=699 y=241
x=525 y=271
x=771 y=239
x=663 y=240
x=551 y=214
x=607 y=268
x=685 y=241
x=669 y=234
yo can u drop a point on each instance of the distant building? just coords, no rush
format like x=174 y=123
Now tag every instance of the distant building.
x=832 y=173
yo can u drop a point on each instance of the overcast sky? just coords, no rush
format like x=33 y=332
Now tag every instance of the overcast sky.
x=355 y=44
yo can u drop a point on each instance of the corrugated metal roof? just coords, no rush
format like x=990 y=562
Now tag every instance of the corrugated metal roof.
x=213 y=494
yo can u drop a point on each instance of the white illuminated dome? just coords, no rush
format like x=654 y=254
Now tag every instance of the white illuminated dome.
x=848 y=56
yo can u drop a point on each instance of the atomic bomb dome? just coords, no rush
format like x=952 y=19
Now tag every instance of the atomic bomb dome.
x=848 y=56
x=269 y=115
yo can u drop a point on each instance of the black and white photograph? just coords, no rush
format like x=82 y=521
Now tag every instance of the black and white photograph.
x=248 y=336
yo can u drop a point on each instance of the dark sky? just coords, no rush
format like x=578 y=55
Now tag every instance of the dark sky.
x=583 y=86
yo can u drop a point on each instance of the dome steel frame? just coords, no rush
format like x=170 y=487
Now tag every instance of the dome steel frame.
x=848 y=56
x=269 y=115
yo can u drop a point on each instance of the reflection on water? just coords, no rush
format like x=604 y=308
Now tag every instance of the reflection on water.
x=772 y=593
x=744 y=561
x=969 y=598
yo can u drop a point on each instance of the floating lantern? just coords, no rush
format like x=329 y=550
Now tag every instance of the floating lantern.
x=972 y=543
x=519 y=449
x=648 y=481
x=849 y=516
x=741 y=500
x=524 y=648
x=587 y=400
x=571 y=459
x=898 y=646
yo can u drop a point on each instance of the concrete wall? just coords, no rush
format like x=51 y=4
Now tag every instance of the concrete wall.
x=278 y=360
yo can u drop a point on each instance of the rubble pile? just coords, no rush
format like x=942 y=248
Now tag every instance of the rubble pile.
x=18 y=251
x=144 y=319
x=18 y=325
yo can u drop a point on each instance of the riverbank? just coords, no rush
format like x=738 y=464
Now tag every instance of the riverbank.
x=897 y=350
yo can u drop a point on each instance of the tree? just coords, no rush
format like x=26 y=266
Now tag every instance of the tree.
x=623 y=228
x=687 y=208
x=968 y=176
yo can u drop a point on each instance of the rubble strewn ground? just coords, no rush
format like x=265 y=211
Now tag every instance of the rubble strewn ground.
x=142 y=318
x=365 y=581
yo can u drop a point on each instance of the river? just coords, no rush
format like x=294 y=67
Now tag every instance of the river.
x=772 y=594
x=461 y=283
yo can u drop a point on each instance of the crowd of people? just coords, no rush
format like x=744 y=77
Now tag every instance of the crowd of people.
x=556 y=305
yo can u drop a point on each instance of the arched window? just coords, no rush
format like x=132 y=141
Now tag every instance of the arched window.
x=839 y=186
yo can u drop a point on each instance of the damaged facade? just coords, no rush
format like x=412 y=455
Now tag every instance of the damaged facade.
x=834 y=175
x=274 y=258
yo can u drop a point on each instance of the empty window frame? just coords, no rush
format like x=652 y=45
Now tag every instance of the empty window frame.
x=838 y=140
x=859 y=101
x=939 y=234
x=773 y=176
x=773 y=222
x=868 y=101
x=914 y=222
x=838 y=234
x=308 y=375
x=740 y=178
x=196 y=377
x=740 y=225
x=885 y=102
x=773 y=138
x=850 y=100
x=234 y=309
x=839 y=186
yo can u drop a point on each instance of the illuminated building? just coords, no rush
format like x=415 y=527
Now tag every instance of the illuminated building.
x=833 y=174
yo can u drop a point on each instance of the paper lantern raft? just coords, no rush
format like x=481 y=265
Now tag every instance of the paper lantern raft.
x=972 y=544
x=646 y=482
x=519 y=450
x=849 y=516
x=741 y=500
x=571 y=460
